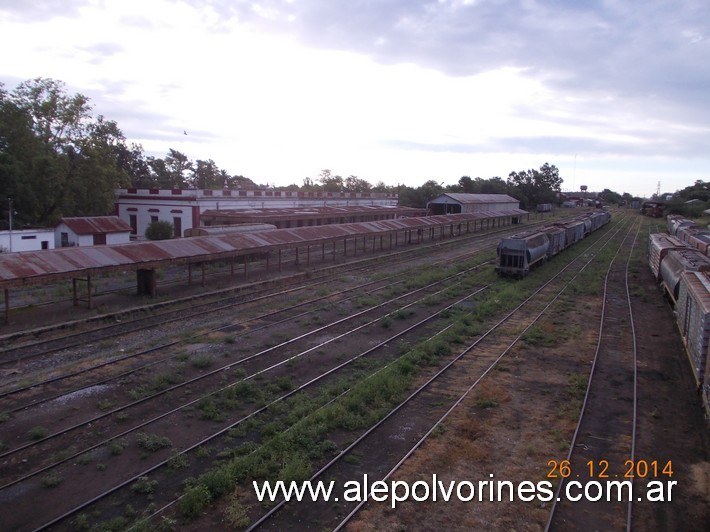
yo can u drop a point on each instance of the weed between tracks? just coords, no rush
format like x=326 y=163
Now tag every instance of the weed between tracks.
x=291 y=446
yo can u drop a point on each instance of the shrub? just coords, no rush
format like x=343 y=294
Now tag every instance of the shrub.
x=193 y=503
x=144 y=485
x=38 y=433
x=152 y=442
x=159 y=230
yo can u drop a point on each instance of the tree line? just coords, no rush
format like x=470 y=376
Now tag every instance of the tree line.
x=58 y=159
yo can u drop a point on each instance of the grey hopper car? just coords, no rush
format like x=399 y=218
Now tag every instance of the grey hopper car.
x=518 y=253
x=574 y=231
x=557 y=239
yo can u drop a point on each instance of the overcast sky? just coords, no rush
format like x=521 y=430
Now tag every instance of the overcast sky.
x=615 y=93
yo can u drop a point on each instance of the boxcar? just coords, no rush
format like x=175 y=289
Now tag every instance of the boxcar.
x=520 y=252
x=693 y=311
x=677 y=225
x=671 y=220
x=698 y=239
x=678 y=261
x=658 y=245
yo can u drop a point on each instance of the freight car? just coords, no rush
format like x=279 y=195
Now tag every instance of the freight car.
x=654 y=209
x=675 y=263
x=685 y=275
x=658 y=245
x=693 y=313
x=519 y=253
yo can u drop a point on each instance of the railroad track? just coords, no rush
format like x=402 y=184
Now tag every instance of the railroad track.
x=102 y=450
x=381 y=450
x=103 y=427
x=15 y=350
x=421 y=249
x=603 y=446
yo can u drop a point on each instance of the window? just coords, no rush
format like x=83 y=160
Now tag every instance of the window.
x=64 y=239
x=29 y=237
x=153 y=218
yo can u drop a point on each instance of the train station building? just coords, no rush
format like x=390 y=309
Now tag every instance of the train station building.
x=185 y=208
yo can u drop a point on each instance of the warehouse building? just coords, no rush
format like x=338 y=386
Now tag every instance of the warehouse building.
x=456 y=203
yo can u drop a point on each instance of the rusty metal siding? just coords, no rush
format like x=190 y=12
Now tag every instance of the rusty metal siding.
x=693 y=311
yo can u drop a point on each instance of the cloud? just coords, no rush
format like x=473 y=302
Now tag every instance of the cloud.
x=634 y=49
x=39 y=10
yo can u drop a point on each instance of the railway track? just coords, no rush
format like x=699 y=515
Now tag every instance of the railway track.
x=18 y=347
x=281 y=369
x=99 y=431
x=603 y=446
x=416 y=418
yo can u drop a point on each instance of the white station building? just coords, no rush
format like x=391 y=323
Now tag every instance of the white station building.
x=183 y=208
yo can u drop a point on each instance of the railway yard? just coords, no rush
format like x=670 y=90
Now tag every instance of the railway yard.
x=397 y=364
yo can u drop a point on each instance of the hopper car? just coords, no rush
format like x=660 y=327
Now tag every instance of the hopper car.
x=520 y=253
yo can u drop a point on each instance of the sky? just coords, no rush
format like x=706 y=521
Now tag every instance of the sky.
x=615 y=93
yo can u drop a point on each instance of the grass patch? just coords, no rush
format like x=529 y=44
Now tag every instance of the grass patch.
x=152 y=442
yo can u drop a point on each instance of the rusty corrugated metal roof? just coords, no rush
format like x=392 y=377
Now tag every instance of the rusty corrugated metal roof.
x=42 y=266
x=90 y=225
x=306 y=212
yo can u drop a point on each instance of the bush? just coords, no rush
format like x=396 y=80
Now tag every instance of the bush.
x=194 y=501
x=159 y=230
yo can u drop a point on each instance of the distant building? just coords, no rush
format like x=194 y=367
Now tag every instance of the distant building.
x=26 y=240
x=185 y=208
x=307 y=216
x=91 y=231
x=457 y=203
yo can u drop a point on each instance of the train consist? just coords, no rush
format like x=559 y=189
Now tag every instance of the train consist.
x=519 y=253
x=680 y=261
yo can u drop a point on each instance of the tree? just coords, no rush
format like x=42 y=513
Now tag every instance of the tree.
x=177 y=165
x=55 y=159
x=159 y=230
x=534 y=187
x=355 y=184
x=206 y=175
x=330 y=182
x=419 y=197
x=609 y=196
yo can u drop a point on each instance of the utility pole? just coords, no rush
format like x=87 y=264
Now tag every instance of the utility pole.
x=9 y=214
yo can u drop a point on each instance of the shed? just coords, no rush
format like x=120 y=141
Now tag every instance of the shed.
x=91 y=231
x=26 y=240
x=456 y=203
